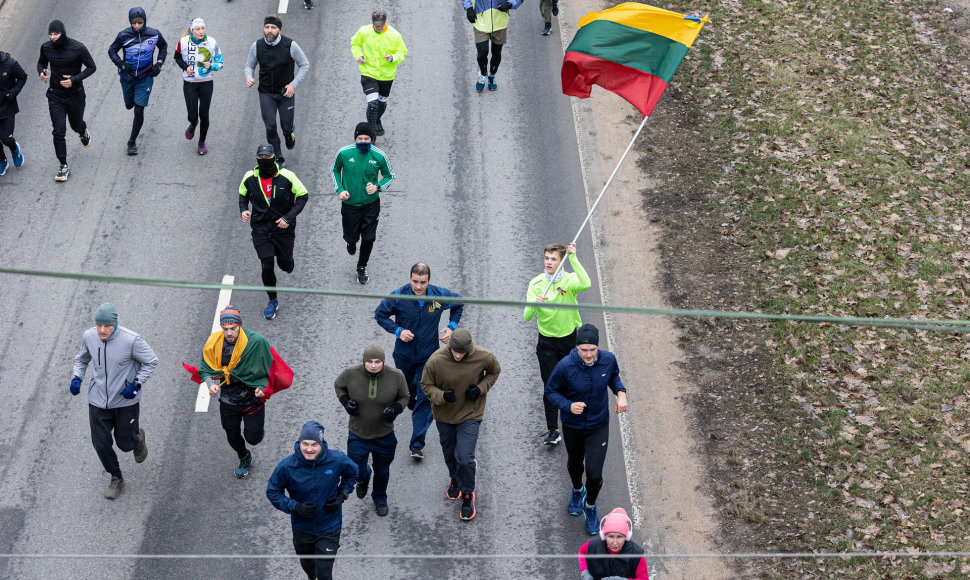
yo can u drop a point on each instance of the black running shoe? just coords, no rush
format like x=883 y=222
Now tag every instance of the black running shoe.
x=380 y=128
x=308 y=4
x=453 y=492
x=467 y=511
x=86 y=138
x=552 y=437
x=361 y=488
x=351 y=249
x=132 y=148
x=281 y=162
x=362 y=277
x=290 y=140
x=417 y=454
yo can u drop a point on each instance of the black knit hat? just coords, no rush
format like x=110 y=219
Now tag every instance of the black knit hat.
x=56 y=26
x=587 y=334
x=364 y=128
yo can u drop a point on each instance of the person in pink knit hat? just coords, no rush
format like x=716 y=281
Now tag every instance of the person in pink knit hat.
x=615 y=540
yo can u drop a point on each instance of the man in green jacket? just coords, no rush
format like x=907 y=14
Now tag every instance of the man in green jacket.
x=360 y=172
x=457 y=379
x=557 y=327
x=378 y=49
x=373 y=395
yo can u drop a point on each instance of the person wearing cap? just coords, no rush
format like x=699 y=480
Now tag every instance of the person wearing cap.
x=616 y=541
x=557 y=327
x=270 y=198
x=311 y=485
x=236 y=365
x=373 y=394
x=378 y=49
x=491 y=21
x=198 y=55
x=415 y=325
x=65 y=62
x=121 y=363
x=277 y=55
x=360 y=172
x=12 y=80
x=579 y=386
x=457 y=379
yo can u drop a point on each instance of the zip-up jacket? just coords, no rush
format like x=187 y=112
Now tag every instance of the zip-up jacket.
x=276 y=64
x=67 y=57
x=353 y=170
x=12 y=80
x=287 y=199
x=296 y=480
x=421 y=317
x=557 y=323
x=191 y=53
x=138 y=48
x=627 y=563
x=442 y=372
x=372 y=393
x=573 y=381
x=488 y=18
x=374 y=46
x=123 y=358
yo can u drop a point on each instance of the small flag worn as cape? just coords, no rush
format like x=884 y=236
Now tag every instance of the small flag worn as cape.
x=631 y=49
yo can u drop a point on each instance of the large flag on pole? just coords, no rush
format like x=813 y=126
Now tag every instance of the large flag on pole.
x=632 y=50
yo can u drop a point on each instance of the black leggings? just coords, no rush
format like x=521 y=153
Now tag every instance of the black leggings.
x=269 y=271
x=198 y=97
x=483 y=56
x=6 y=135
x=137 y=123
x=586 y=448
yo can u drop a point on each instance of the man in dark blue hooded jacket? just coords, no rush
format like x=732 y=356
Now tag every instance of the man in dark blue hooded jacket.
x=136 y=68
x=318 y=480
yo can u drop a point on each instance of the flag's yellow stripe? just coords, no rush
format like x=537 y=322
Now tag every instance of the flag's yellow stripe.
x=651 y=19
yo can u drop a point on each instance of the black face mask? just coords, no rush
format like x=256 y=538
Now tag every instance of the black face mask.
x=267 y=167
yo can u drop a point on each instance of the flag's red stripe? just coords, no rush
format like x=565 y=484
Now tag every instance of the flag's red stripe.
x=581 y=71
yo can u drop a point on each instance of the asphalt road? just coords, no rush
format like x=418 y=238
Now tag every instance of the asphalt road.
x=484 y=182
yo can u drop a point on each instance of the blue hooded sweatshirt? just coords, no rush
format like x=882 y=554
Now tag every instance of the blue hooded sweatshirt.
x=316 y=481
x=139 y=47
x=420 y=317
x=573 y=381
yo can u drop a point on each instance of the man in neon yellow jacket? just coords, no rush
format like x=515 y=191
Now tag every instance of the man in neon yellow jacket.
x=378 y=49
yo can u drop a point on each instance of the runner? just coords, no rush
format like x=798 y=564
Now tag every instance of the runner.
x=557 y=327
x=236 y=366
x=276 y=56
x=373 y=395
x=70 y=63
x=355 y=177
x=491 y=20
x=457 y=379
x=415 y=324
x=378 y=49
x=317 y=481
x=123 y=362
x=135 y=68
x=615 y=540
x=548 y=9
x=276 y=196
x=579 y=387
x=198 y=55
x=12 y=80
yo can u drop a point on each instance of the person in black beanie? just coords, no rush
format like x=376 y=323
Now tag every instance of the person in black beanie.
x=12 y=80
x=66 y=63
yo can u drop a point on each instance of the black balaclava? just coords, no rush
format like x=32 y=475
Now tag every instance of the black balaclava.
x=58 y=26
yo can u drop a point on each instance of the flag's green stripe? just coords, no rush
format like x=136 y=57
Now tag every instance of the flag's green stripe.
x=632 y=47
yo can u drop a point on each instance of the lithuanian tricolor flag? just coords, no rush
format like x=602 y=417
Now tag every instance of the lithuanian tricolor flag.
x=632 y=50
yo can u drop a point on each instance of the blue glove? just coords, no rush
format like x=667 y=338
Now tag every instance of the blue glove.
x=131 y=391
x=76 y=386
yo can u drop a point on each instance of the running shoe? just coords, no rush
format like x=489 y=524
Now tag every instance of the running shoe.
x=381 y=509
x=379 y=129
x=190 y=132
x=592 y=521
x=362 y=276
x=308 y=4
x=547 y=30
x=141 y=450
x=271 y=307
x=242 y=470
x=491 y=84
x=351 y=249
x=361 y=488
x=85 y=138
x=552 y=437
x=467 y=511
x=280 y=162
x=290 y=140
x=576 y=501
x=555 y=9
x=453 y=492
x=202 y=149
x=417 y=454
x=480 y=85
x=115 y=487
x=63 y=173
x=132 y=148
x=3 y=166
x=18 y=156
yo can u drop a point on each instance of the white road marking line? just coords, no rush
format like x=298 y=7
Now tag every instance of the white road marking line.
x=284 y=4
x=202 y=400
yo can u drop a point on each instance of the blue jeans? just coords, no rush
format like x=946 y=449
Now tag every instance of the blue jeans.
x=382 y=449
x=421 y=415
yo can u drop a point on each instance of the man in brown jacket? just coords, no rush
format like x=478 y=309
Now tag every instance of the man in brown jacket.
x=373 y=395
x=457 y=378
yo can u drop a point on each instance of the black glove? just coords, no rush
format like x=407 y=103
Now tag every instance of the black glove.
x=473 y=392
x=349 y=404
x=449 y=396
x=127 y=68
x=306 y=509
x=392 y=411
x=157 y=68
x=333 y=504
x=470 y=14
x=505 y=6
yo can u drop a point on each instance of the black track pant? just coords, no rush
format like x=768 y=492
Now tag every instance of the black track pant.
x=64 y=109
x=307 y=544
x=252 y=419
x=123 y=421
x=550 y=350
x=271 y=104
x=198 y=97
x=6 y=135
x=483 y=57
x=586 y=449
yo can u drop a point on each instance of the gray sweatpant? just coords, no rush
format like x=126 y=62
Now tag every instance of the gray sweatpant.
x=458 y=446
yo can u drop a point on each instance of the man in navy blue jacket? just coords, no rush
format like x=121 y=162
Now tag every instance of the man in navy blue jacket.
x=135 y=68
x=318 y=481
x=579 y=386
x=415 y=325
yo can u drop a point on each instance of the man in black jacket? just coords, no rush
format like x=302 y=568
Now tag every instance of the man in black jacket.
x=12 y=79
x=66 y=63
x=276 y=196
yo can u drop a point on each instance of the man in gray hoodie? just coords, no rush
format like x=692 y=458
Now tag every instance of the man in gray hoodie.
x=122 y=362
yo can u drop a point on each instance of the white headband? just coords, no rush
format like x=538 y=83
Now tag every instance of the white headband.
x=197 y=22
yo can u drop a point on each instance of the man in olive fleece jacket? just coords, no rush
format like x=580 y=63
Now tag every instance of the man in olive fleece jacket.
x=373 y=395
x=457 y=378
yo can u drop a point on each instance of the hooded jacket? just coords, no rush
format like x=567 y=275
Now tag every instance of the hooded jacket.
x=65 y=59
x=373 y=393
x=138 y=48
x=573 y=381
x=488 y=18
x=374 y=47
x=12 y=80
x=421 y=317
x=297 y=479
x=442 y=372
x=123 y=358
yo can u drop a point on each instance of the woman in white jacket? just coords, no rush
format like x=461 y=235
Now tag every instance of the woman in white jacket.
x=198 y=55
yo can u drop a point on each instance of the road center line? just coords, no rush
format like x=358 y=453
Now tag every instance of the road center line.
x=202 y=400
x=284 y=4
